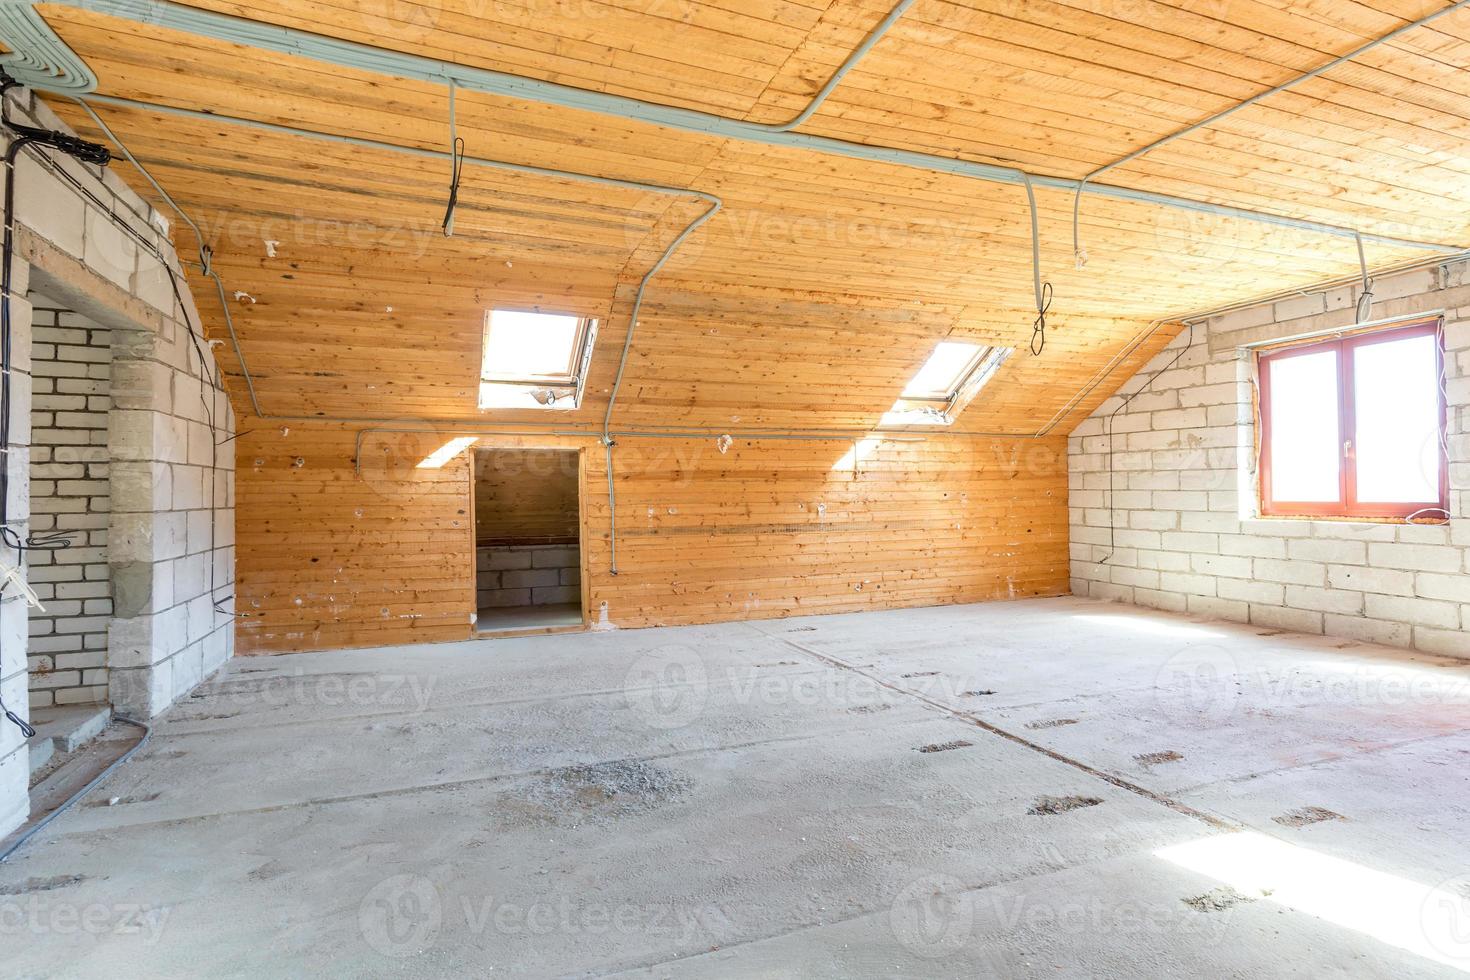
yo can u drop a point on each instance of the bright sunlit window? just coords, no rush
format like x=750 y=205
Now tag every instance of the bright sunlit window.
x=944 y=370
x=951 y=376
x=1354 y=426
x=535 y=360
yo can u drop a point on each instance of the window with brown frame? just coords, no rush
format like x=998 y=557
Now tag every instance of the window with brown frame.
x=1354 y=426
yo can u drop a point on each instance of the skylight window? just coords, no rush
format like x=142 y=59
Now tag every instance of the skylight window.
x=535 y=360
x=942 y=373
x=949 y=379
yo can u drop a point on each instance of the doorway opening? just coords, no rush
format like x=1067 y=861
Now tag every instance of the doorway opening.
x=528 y=556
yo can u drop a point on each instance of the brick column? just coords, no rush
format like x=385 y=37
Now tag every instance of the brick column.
x=172 y=521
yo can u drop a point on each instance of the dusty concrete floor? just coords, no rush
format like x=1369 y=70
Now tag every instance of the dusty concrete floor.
x=1145 y=796
x=528 y=617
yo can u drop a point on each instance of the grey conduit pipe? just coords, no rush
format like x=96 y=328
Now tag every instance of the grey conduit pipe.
x=43 y=61
x=858 y=53
x=714 y=202
x=204 y=254
x=714 y=207
x=1397 y=32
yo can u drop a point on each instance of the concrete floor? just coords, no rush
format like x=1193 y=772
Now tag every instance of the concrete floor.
x=507 y=618
x=797 y=798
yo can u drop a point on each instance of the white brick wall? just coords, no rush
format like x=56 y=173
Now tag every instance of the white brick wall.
x=67 y=651
x=1181 y=498
x=527 y=575
x=169 y=637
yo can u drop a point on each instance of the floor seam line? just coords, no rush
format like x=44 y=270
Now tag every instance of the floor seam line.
x=1219 y=823
x=1245 y=777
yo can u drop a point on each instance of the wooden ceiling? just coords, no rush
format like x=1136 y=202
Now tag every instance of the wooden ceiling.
x=824 y=282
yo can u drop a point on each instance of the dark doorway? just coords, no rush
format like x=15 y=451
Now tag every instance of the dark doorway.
x=528 y=557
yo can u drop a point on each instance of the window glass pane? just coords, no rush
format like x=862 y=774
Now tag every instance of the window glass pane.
x=942 y=373
x=1396 y=398
x=1306 y=453
x=529 y=344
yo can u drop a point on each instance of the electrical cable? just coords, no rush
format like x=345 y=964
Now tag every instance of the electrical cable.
x=26 y=730
x=1042 y=290
x=455 y=170
x=1365 y=301
x=1112 y=488
x=456 y=167
x=1038 y=326
x=1081 y=253
x=210 y=381
x=77 y=796
x=205 y=253
x=195 y=332
x=86 y=152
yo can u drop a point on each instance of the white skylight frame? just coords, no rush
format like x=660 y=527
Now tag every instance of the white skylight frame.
x=940 y=377
x=950 y=377
x=514 y=373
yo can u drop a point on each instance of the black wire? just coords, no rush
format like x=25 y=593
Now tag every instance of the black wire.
x=87 y=153
x=455 y=171
x=195 y=332
x=94 y=153
x=1038 y=329
x=1112 y=490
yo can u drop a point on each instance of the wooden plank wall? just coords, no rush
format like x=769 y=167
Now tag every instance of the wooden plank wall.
x=766 y=529
x=526 y=496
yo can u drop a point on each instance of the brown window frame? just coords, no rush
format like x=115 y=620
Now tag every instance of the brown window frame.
x=1347 y=504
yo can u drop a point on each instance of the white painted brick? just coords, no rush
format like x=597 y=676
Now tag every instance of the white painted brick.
x=1283 y=618
x=1370 y=630
x=1186 y=418
x=1167 y=601
x=1154 y=520
x=1430 y=585
x=1210 y=523
x=1385 y=581
x=1229 y=566
x=1143 y=577
x=1290 y=572
x=1373 y=582
x=1326 y=550
x=1354 y=531
x=1420 y=557
x=1168 y=561
x=1298 y=306
x=1189 y=541
x=1216 y=608
x=1324 y=600
x=1186 y=583
x=1246 y=590
x=1419 y=612
x=1254 y=545
x=1276 y=528
x=1449 y=643
x=1114 y=593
